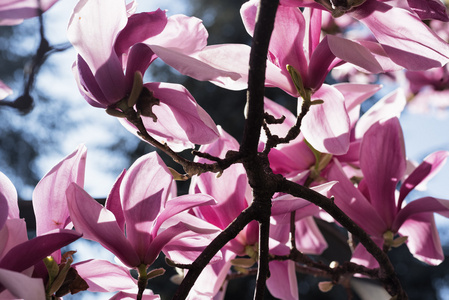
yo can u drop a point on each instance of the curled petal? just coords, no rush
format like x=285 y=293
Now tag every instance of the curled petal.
x=29 y=253
x=98 y=224
x=423 y=173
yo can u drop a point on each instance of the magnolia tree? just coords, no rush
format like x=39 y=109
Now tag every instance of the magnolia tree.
x=252 y=207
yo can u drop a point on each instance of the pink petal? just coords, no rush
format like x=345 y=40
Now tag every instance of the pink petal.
x=98 y=224
x=422 y=205
x=144 y=192
x=29 y=253
x=390 y=106
x=23 y=9
x=130 y=296
x=431 y=165
x=423 y=239
x=354 y=53
x=354 y=94
x=362 y=257
x=139 y=28
x=229 y=190
x=223 y=65
x=49 y=196
x=13 y=233
x=287 y=203
x=175 y=233
x=213 y=277
x=15 y=282
x=179 y=116
x=104 y=276
x=8 y=196
x=429 y=9
x=383 y=163
x=353 y=203
x=181 y=34
x=309 y=238
x=94 y=38
x=406 y=39
x=114 y=204
x=282 y=281
x=326 y=125
x=180 y=204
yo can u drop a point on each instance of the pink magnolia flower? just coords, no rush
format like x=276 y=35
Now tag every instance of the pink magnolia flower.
x=18 y=254
x=139 y=202
x=401 y=34
x=111 y=53
x=12 y=12
x=233 y=194
x=374 y=203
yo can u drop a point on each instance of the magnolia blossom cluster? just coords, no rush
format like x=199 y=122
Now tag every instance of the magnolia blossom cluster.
x=358 y=160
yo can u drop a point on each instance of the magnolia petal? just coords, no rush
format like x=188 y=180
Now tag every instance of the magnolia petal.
x=354 y=94
x=282 y=281
x=180 y=204
x=429 y=9
x=15 y=282
x=174 y=232
x=94 y=38
x=223 y=65
x=24 y=9
x=354 y=53
x=99 y=224
x=383 y=163
x=287 y=203
x=362 y=257
x=28 y=253
x=229 y=190
x=139 y=28
x=13 y=233
x=390 y=106
x=49 y=196
x=405 y=38
x=326 y=125
x=423 y=173
x=143 y=193
x=353 y=203
x=423 y=239
x=181 y=34
x=179 y=116
x=422 y=205
x=309 y=238
x=8 y=198
x=104 y=276
x=212 y=277
x=131 y=296
x=113 y=202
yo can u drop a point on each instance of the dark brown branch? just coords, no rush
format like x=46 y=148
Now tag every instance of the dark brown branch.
x=219 y=242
